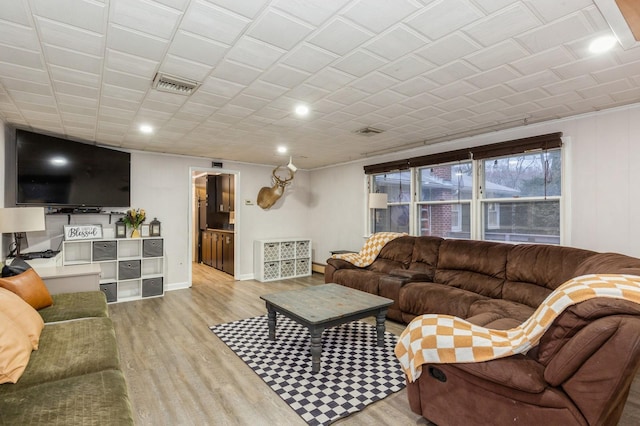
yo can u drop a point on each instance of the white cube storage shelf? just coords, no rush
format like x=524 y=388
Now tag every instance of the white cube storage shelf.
x=281 y=258
x=130 y=269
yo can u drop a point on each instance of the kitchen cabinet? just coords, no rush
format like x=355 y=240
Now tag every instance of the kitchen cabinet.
x=218 y=249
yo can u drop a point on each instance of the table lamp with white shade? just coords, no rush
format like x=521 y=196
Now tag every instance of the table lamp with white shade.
x=20 y=220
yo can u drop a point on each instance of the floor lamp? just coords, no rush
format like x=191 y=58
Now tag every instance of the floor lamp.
x=377 y=201
x=20 y=220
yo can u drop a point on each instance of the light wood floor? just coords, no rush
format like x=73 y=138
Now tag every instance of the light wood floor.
x=179 y=373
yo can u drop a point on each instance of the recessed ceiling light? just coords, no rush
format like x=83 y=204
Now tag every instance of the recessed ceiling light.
x=602 y=44
x=302 y=110
x=282 y=149
x=145 y=128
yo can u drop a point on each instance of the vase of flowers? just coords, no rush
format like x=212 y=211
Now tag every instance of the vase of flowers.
x=134 y=219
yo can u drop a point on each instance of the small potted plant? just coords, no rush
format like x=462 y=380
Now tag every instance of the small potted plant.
x=134 y=219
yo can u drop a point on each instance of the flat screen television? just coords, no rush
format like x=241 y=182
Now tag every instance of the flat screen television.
x=62 y=173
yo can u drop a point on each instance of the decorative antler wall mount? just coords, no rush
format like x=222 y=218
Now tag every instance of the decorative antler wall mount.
x=267 y=196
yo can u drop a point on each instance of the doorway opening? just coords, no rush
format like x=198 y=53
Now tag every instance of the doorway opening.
x=214 y=225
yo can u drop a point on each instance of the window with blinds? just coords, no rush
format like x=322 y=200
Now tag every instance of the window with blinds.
x=509 y=191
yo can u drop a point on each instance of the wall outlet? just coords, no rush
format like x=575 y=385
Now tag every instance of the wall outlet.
x=248 y=202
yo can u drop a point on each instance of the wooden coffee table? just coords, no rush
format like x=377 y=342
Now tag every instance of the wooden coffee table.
x=324 y=306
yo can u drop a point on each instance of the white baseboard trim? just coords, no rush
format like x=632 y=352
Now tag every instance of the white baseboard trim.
x=177 y=286
x=246 y=277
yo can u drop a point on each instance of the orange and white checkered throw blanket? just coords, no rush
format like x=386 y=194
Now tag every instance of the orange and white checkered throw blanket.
x=370 y=250
x=445 y=339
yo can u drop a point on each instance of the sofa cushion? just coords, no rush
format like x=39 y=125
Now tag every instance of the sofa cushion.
x=534 y=271
x=23 y=314
x=30 y=287
x=98 y=399
x=68 y=349
x=362 y=279
x=502 y=309
x=609 y=263
x=15 y=350
x=68 y=306
x=425 y=256
x=476 y=266
x=420 y=298
x=396 y=254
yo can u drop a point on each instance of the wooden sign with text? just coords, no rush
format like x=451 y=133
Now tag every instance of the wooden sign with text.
x=82 y=232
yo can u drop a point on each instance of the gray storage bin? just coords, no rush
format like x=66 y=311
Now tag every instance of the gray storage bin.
x=152 y=247
x=111 y=291
x=104 y=250
x=152 y=287
x=128 y=269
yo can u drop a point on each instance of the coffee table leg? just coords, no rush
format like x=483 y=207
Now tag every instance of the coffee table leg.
x=316 y=348
x=380 y=317
x=271 y=321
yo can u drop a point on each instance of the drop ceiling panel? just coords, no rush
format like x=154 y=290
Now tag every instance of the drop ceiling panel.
x=197 y=48
x=499 y=54
x=441 y=18
x=309 y=58
x=280 y=30
x=378 y=15
x=147 y=17
x=396 y=43
x=313 y=11
x=22 y=57
x=184 y=68
x=255 y=53
x=236 y=73
x=503 y=25
x=130 y=64
x=406 y=68
x=137 y=44
x=15 y=12
x=339 y=37
x=86 y=14
x=72 y=38
x=18 y=36
x=212 y=22
x=359 y=63
x=420 y=70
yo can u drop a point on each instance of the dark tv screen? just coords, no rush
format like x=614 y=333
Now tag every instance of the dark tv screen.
x=58 y=172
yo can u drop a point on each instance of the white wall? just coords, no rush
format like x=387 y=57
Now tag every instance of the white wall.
x=289 y=217
x=604 y=167
x=161 y=184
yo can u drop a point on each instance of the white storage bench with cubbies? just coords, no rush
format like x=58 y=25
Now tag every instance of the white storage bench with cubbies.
x=281 y=258
x=131 y=268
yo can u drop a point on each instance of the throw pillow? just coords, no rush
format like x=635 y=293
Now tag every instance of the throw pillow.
x=15 y=350
x=21 y=313
x=17 y=266
x=30 y=287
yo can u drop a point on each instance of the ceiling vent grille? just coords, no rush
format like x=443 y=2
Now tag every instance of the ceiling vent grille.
x=173 y=84
x=368 y=131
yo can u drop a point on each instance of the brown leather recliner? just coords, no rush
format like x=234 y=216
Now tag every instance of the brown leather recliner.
x=579 y=374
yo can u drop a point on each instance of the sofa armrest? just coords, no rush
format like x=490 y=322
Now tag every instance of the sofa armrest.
x=341 y=264
x=516 y=372
x=410 y=275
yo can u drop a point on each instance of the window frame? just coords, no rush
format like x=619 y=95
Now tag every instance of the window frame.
x=477 y=202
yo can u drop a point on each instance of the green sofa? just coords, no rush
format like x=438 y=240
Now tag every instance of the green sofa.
x=74 y=378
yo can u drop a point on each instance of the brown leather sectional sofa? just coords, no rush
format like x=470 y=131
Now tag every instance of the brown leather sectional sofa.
x=582 y=369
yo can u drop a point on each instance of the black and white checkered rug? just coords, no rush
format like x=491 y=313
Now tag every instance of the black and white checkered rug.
x=354 y=371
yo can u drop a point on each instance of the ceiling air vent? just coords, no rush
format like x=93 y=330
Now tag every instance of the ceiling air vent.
x=368 y=131
x=173 y=84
